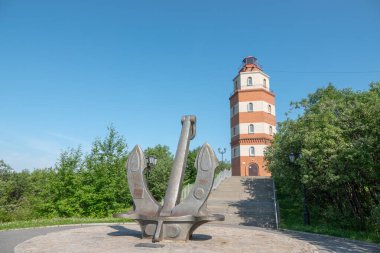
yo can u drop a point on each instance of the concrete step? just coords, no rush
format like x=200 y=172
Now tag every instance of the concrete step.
x=245 y=201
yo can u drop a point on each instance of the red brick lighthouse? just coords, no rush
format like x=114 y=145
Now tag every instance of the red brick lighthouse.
x=253 y=120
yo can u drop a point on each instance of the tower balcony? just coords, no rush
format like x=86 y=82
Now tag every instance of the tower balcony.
x=252 y=87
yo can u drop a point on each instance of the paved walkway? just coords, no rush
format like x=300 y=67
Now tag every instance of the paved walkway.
x=10 y=238
x=127 y=238
x=325 y=243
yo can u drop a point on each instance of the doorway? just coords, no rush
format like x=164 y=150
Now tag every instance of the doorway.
x=253 y=169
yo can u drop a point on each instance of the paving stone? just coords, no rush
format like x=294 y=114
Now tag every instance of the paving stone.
x=126 y=238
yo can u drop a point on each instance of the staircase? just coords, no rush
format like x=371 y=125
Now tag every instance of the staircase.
x=245 y=201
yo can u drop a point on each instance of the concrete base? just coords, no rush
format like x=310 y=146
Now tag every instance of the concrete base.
x=126 y=238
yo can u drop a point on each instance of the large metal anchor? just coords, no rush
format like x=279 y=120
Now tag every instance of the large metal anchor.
x=174 y=220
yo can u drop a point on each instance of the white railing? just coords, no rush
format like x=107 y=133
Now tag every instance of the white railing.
x=186 y=190
x=224 y=174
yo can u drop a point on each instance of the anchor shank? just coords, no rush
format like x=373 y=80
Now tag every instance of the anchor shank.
x=173 y=192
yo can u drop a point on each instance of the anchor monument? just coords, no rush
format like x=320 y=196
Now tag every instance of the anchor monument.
x=175 y=220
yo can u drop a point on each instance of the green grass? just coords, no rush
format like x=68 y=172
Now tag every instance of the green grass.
x=58 y=221
x=291 y=217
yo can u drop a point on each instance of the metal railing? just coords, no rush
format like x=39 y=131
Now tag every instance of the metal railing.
x=223 y=175
x=276 y=206
x=253 y=87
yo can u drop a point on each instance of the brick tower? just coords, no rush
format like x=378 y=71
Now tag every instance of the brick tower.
x=253 y=120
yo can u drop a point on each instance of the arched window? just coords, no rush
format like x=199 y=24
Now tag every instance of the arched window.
x=252 y=151
x=251 y=129
x=265 y=82
x=270 y=130
x=250 y=107
x=269 y=109
x=249 y=81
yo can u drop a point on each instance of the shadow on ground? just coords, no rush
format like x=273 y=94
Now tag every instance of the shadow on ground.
x=258 y=209
x=200 y=237
x=123 y=231
x=333 y=244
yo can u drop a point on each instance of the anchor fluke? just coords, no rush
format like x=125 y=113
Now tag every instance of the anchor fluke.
x=144 y=203
x=205 y=163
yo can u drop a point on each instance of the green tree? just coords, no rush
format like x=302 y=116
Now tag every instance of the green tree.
x=13 y=187
x=90 y=185
x=222 y=166
x=103 y=185
x=158 y=177
x=191 y=170
x=66 y=183
x=40 y=194
x=5 y=171
x=337 y=134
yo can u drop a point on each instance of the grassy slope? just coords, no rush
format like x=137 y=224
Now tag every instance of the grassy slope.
x=291 y=217
x=58 y=221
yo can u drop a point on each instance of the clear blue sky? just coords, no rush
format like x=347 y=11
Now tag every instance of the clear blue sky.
x=69 y=69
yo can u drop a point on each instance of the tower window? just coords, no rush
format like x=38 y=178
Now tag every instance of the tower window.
x=250 y=107
x=270 y=130
x=249 y=81
x=269 y=109
x=265 y=83
x=234 y=131
x=235 y=152
x=236 y=85
x=251 y=129
x=252 y=151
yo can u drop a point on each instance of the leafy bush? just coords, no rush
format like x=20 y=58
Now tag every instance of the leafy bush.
x=338 y=135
